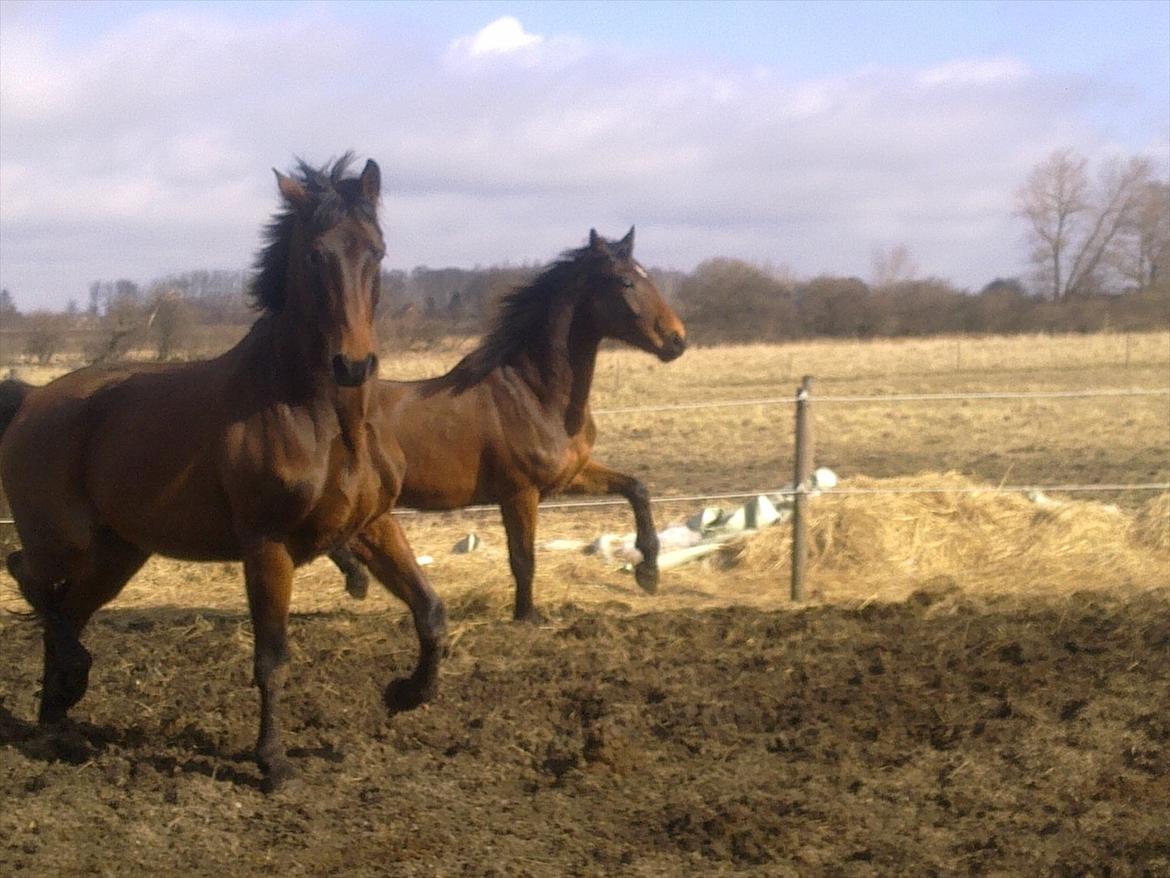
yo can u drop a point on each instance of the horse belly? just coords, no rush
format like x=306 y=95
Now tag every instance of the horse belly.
x=189 y=521
x=440 y=494
x=441 y=475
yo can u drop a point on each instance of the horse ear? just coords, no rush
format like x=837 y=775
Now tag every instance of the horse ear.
x=625 y=247
x=371 y=181
x=291 y=191
x=596 y=242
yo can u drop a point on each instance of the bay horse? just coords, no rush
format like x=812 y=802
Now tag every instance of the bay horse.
x=269 y=454
x=510 y=424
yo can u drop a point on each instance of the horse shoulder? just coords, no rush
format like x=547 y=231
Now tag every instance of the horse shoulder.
x=273 y=462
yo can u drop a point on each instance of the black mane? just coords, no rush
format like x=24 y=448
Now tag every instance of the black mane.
x=333 y=197
x=522 y=318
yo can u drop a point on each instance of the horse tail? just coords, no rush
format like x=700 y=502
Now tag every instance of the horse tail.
x=12 y=394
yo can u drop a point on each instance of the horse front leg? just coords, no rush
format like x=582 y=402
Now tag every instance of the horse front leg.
x=519 y=514
x=595 y=478
x=383 y=548
x=268 y=575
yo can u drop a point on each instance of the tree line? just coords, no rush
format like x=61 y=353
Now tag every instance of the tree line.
x=1098 y=250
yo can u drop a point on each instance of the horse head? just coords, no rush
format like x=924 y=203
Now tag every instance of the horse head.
x=627 y=304
x=322 y=266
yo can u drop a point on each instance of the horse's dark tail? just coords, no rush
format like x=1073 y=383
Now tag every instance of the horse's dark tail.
x=12 y=394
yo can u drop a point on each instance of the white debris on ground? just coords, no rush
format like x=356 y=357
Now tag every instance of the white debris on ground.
x=701 y=533
x=1045 y=502
x=469 y=543
x=705 y=530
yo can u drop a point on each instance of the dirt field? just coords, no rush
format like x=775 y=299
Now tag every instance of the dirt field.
x=939 y=735
x=978 y=686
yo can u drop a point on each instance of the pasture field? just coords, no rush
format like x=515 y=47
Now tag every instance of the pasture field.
x=978 y=685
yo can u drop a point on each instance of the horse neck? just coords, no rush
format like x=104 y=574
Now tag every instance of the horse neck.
x=560 y=366
x=297 y=375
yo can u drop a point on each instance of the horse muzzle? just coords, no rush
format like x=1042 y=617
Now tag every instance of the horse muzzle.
x=673 y=345
x=353 y=373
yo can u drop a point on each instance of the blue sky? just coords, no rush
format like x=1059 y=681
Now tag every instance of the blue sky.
x=136 y=138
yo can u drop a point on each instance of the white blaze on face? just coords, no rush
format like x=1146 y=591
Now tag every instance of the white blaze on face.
x=640 y=271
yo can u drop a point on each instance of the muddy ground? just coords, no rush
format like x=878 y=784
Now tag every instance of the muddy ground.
x=944 y=735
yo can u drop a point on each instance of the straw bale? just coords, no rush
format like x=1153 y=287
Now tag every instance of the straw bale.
x=1151 y=526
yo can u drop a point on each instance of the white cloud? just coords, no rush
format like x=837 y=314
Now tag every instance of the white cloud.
x=505 y=43
x=502 y=35
x=974 y=71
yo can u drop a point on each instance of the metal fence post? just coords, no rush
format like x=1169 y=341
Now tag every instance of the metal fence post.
x=802 y=474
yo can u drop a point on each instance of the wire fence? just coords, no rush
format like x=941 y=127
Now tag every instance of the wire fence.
x=788 y=490
x=889 y=398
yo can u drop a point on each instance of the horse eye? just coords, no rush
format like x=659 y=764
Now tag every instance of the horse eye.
x=317 y=258
x=627 y=284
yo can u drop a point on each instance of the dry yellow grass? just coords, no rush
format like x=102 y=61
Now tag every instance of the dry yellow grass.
x=864 y=547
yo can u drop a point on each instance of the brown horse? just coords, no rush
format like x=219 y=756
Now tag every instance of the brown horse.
x=269 y=454
x=510 y=424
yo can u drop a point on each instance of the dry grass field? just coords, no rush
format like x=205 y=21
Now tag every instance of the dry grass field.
x=977 y=685
x=749 y=448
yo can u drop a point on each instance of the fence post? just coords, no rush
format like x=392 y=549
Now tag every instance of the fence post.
x=802 y=474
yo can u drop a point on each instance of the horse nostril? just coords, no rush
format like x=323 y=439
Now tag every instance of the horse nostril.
x=679 y=343
x=351 y=373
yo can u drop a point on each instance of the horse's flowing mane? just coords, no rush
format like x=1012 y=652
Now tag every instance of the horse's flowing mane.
x=522 y=317
x=332 y=197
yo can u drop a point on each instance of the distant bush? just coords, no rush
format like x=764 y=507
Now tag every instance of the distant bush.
x=45 y=335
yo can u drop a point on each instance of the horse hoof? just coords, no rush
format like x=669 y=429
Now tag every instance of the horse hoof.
x=407 y=694
x=532 y=616
x=61 y=741
x=279 y=776
x=647 y=578
x=65 y=684
x=358 y=585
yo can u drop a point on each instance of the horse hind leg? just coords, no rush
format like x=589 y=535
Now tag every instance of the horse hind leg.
x=65 y=606
x=66 y=662
x=357 y=581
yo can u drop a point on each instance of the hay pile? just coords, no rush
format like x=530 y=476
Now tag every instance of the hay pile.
x=886 y=546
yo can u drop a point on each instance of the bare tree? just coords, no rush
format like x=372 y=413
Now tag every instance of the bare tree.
x=1052 y=200
x=46 y=335
x=892 y=267
x=170 y=321
x=8 y=309
x=1074 y=227
x=1142 y=256
x=125 y=322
